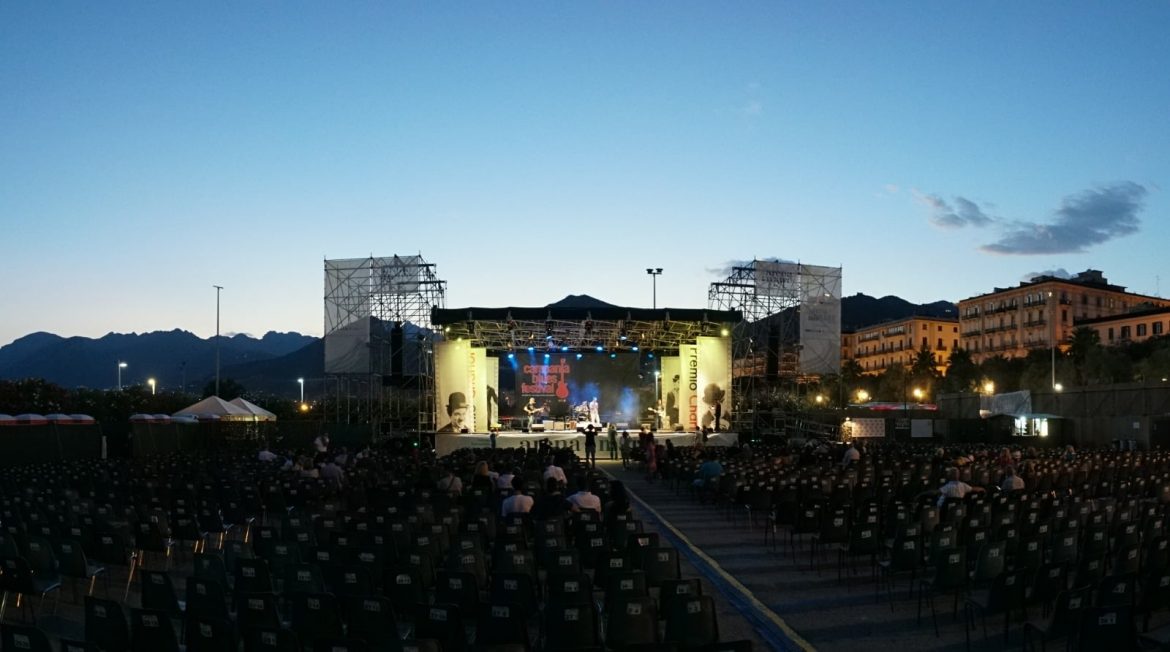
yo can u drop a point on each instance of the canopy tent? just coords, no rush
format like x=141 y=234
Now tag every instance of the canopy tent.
x=213 y=408
x=259 y=413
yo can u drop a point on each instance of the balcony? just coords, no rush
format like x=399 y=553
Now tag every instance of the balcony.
x=1035 y=322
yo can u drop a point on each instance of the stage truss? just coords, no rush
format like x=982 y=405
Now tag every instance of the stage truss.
x=379 y=341
x=501 y=330
x=791 y=328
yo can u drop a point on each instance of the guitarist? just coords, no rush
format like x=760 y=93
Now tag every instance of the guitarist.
x=532 y=411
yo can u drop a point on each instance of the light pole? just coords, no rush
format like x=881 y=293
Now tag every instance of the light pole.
x=1052 y=337
x=150 y=381
x=302 y=382
x=121 y=366
x=218 y=289
x=654 y=273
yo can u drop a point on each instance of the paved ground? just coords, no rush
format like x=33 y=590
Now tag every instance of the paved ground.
x=822 y=612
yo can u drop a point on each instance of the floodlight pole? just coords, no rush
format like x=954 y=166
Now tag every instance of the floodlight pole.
x=218 y=289
x=654 y=273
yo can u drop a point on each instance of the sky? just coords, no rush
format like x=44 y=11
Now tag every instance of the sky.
x=149 y=151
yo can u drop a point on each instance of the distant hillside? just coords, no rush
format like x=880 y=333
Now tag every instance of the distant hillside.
x=861 y=310
x=167 y=356
x=580 y=301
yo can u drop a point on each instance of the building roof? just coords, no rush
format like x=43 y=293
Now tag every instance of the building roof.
x=1148 y=312
x=1090 y=278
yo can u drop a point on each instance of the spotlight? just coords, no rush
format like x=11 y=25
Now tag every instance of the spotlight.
x=578 y=356
x=650 y=355
x=511 y=356
x=564 y=348
x=546 y=356
x=633 y=348
x=548 y=329
x=600 y=349
x=613 y=355
x=531 y=349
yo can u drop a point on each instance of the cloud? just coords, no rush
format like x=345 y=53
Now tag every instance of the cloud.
x=963 y=213
x=725 y=269
x=1059 y=272
x=1089 y=218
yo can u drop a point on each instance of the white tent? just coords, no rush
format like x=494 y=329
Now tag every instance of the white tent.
x=259 y=413
x=214 y=407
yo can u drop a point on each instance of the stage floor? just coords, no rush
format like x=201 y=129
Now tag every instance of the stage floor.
x=448 y=443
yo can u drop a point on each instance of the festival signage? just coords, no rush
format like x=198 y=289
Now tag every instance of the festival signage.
x=713 y=386
x=688 y=386
x=454 y=392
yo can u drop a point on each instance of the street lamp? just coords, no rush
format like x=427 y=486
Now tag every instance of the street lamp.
x=150 y=381
x=1052 y=337
x=302 y=382
x=121 y=366
x=654 y=272
x=989 y=388
x=862 y=396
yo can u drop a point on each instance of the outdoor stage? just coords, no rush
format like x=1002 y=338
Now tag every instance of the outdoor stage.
x=445 y=444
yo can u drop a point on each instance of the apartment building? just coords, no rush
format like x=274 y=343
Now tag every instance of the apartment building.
x=1131 y=327
x=878 y=347
x=1042 y=313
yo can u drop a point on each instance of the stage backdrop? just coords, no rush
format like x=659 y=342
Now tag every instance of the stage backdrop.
x=670 y=381
x=564 y=381
x=714 y=386
x=454 y=386
x=688 y=386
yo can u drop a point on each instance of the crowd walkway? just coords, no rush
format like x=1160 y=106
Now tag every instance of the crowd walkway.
x=790 y=605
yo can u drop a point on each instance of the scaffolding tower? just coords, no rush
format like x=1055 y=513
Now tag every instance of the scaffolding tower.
x=791 y=328
x=379 y=342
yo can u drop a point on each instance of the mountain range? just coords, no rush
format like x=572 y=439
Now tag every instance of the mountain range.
x=272 y=363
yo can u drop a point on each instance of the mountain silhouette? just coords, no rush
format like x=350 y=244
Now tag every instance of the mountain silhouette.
x=272 y=363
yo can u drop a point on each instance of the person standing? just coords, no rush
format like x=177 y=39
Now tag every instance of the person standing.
x=625 y=445
x=591 y=446
x=612 y=434
x=594 y=413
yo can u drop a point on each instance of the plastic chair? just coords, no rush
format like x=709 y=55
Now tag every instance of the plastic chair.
x=692 y=622
x=631 y=621
x=151 y=631
x=105 y=625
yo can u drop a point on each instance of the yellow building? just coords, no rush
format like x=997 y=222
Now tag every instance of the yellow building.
x=1041 y=313
x=1130 y=327
x=878 y=347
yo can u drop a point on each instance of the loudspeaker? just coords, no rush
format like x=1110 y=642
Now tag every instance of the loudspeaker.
x=396 y=351
x=538 y=427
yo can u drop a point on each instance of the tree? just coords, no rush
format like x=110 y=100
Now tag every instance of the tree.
x=1105 y=365
x=962 y=372
x=1084 y=340
x=1156 y=366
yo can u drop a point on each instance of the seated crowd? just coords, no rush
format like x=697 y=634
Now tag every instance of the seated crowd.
x=379 y=549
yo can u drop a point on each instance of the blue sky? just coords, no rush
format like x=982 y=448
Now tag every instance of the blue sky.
x=531 y=150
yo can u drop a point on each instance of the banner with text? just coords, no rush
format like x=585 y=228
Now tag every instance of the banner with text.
x=477 y=376
x=714 y=382
x=688 y=386
x=454 y=376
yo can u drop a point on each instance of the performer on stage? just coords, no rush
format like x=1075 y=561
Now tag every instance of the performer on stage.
x=594 y=414
x=532 y=411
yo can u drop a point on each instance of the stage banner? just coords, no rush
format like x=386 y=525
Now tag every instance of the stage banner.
x=820 y=319
x=477 y=376
x=688 y=386
x=864 y=428
x=493 y=392
x=714 y=382
x=454 y=409
x=670 y=377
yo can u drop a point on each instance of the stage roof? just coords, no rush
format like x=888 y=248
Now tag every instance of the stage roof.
x=561 y=328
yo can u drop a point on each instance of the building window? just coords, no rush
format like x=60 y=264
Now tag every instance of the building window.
x=1110 y=334
x=1063 y=316
x=1141 y=330
x=1125 y=332
x=1157 y=328
x=924 y=344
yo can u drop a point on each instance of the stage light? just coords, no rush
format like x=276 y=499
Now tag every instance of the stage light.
x=613 y=355
x=546 y=356
x=531 y=349
x=600 y=349
x=650 y=355
x=633 y=348
x=723 y=332
x=564 y=348
x=511 y=356
x=578 y=356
